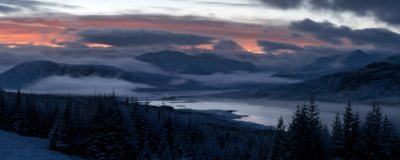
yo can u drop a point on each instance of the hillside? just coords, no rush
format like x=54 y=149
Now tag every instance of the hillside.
x=326 y=65
x=203 y=64
x=30 y=72
x=381 y=78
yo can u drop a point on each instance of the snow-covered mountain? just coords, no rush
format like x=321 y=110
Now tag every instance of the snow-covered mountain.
x=30 y=72
x=325 y=65
x=203 y=64
x=381 y=77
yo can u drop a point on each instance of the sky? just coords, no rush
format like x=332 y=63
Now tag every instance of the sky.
x=272 y=34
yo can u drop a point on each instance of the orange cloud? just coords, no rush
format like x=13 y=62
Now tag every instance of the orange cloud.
x=41 y=31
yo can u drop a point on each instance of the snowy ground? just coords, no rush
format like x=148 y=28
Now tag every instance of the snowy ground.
x=15 y=147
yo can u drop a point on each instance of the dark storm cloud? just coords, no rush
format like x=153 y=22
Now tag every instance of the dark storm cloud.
x=283 y=4
x=384 y=10
x=12 y=6
x=265 y=31
x=8 y=9
x=270 y=46
x=141 y=37
x=72 y=44
x=324 y=31
x=328 y=32
x=68 y=30
x=296 y=35
x=227 y=45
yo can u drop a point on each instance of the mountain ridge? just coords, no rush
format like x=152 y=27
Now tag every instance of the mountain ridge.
x=29 y=72
x=380 y=78
x=203 y=64
x=326 y=65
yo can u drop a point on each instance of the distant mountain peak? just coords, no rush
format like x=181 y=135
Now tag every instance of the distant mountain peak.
x=32 y=71
x=325 y=65
x=202 y=64
x=380 y=78
x=353 y=59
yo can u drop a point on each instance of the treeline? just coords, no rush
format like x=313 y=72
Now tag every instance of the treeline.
x=104 y=127
x=351 y=138
x=101 y=127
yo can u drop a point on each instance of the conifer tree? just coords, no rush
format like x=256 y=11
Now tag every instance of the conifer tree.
x=390 y=141
x=372 y=130
x=65 y=133
x=97 y=140
x=326 y=148
x=315 y=129
x=300 y=139
x=116 y=132
x=357 y=136
x=347 y=137
x=16 y=114
x=3 y=111
x=279 y=146
x=337 y=134
x=53 y=135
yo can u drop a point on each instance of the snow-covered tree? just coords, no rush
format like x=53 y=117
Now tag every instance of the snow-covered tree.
x=279 y=146
x=65 y=135
x=3 y=111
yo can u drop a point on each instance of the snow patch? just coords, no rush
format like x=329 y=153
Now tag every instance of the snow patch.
x=16 y=147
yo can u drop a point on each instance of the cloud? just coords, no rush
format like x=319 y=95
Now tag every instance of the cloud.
x=175 y=82
x=68 y=30
x=12 y=6
x=227 y=45
x=270 y=46
x=282 y=4
x=297 y=35
x=383 y=10
x=141 y=37
x=12 y=58
x=225 y=80
x=83 y=86
x=328 y=32
x=8 y=9
x=265 y=31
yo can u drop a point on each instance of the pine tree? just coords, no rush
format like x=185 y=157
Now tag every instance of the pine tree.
x=97 y=140
x=116 y=132
x=337 y=134
x=65 y=135
x=53 y=135
x=372 y=130
x=279 y=147
x=390 y=140
x=46 y=120
x=326 y=138
x=315 y=129
x=347 y=137
x=300 y=139
x=16 y=114
x=3 y=111
x=357 y=136
x=137 y=129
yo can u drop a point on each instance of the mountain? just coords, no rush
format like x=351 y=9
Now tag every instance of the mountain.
x=325 y=65
x=381 y=78
x=203 y=64
x=30 y=72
